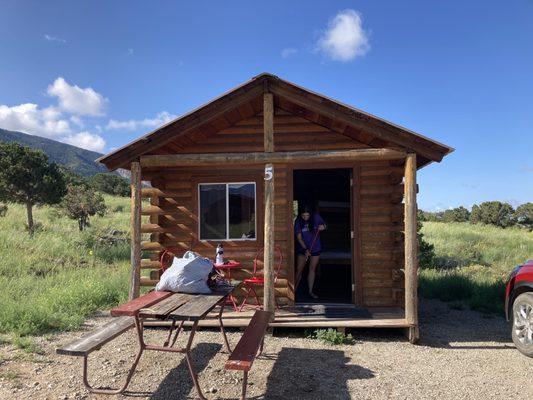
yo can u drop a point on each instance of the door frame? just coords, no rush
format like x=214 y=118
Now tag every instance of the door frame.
x=355 y=241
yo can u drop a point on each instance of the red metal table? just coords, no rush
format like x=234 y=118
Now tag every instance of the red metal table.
x=226 y=269
x=175 y=307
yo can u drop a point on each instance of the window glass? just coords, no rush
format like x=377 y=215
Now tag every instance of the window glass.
x=241 y=205
x=227 y=211
x=212 y=211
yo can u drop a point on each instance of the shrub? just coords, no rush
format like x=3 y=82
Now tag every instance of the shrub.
x=426 y=251
x=459 y=214
x=110 y=184
x=493 y=213
x=119 y=208
x=524 y=215
x=332 y=336
x=82 y=202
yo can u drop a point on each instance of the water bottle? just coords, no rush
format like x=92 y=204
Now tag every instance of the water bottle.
x=219 y=256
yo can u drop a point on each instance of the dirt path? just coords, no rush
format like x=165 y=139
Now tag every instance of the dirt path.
x=463 y=355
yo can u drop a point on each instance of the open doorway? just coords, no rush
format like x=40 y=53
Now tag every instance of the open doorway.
x=327 y=193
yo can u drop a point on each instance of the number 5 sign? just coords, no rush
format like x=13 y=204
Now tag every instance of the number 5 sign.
x=269 y=172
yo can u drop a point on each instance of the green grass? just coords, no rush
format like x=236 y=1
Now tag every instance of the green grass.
x=13 y=377
x=56 y=279
x=27 y=344
x=472 y=263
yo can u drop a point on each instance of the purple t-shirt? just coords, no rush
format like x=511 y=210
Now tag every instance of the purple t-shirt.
x=309 y=230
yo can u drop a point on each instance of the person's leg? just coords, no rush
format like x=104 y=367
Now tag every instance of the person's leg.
x=300 y=265
x=311 y=275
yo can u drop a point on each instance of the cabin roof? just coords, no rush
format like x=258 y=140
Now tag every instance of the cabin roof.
x=376 y=131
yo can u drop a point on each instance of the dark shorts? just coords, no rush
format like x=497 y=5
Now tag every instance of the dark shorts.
x=313 y=254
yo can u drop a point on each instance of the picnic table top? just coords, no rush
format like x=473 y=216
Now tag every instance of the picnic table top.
x=176 y=306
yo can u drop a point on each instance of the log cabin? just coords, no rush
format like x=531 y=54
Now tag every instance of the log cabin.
x=236 y=170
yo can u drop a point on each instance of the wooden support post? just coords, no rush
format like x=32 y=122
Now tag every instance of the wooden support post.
x=411 y=248
x=269 y=296
x=135 y=229
x=269 y=300
x=268 y=122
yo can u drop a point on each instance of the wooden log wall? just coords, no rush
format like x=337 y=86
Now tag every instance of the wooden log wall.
x=171 y=218
x=173 y=221
x=381 y=233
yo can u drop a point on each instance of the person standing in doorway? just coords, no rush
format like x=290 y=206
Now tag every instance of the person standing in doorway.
x=307 y=228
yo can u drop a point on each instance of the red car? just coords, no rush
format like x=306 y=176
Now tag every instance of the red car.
x=519 y=306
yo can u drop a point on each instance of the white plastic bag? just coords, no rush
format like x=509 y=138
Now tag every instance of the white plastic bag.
x=186 y=275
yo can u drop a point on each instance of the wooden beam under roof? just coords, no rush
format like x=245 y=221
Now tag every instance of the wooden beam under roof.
x=182 y=160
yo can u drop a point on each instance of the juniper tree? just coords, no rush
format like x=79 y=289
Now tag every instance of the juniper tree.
x=26 y=177
x=82 y=202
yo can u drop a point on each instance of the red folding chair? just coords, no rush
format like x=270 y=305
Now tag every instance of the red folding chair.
x=258 y=279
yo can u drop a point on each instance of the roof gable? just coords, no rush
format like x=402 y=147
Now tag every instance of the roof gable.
x=245 y=101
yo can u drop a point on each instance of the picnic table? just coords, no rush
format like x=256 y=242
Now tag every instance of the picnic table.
x=175 y=307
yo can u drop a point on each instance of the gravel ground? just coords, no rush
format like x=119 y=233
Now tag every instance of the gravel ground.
x=462 y=355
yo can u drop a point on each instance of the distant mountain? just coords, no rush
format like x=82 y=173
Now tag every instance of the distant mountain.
x=77 y=159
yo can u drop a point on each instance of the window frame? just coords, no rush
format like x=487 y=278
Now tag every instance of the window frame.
x=227 y=238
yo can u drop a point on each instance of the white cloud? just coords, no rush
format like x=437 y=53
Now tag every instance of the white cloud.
x=60 y=122
x=51 y=38
x=345 y=38
x=48 y=122
x=288 y=52
x=31 y=119
x=76 y=100
x=132 y=124
x=85 y=140
x=77 y=121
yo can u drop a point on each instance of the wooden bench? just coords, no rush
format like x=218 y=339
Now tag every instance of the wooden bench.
x=249 y=347
x=94 y=340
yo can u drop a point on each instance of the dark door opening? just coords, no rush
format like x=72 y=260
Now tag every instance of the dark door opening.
x=327 y=192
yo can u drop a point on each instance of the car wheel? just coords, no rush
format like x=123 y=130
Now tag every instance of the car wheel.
x=522 y=330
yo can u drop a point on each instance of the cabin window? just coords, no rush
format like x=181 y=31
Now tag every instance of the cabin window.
x=227 y=211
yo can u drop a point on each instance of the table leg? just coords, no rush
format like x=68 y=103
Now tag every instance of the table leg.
x=142 y=346
x=222 y=330
x=177 y=333
x=244 y=383
x=194 y=376
x=172 y=326
x=110 y=391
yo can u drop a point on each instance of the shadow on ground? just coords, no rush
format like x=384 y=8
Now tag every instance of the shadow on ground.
x=313 y=374
x=447 y=328
x=440 y=327
x=178 y=383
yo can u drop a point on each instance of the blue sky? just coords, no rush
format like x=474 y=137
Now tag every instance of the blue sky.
x=99 y=74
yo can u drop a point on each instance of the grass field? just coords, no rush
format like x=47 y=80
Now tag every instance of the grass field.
x=54 y=280
x=472 y=263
